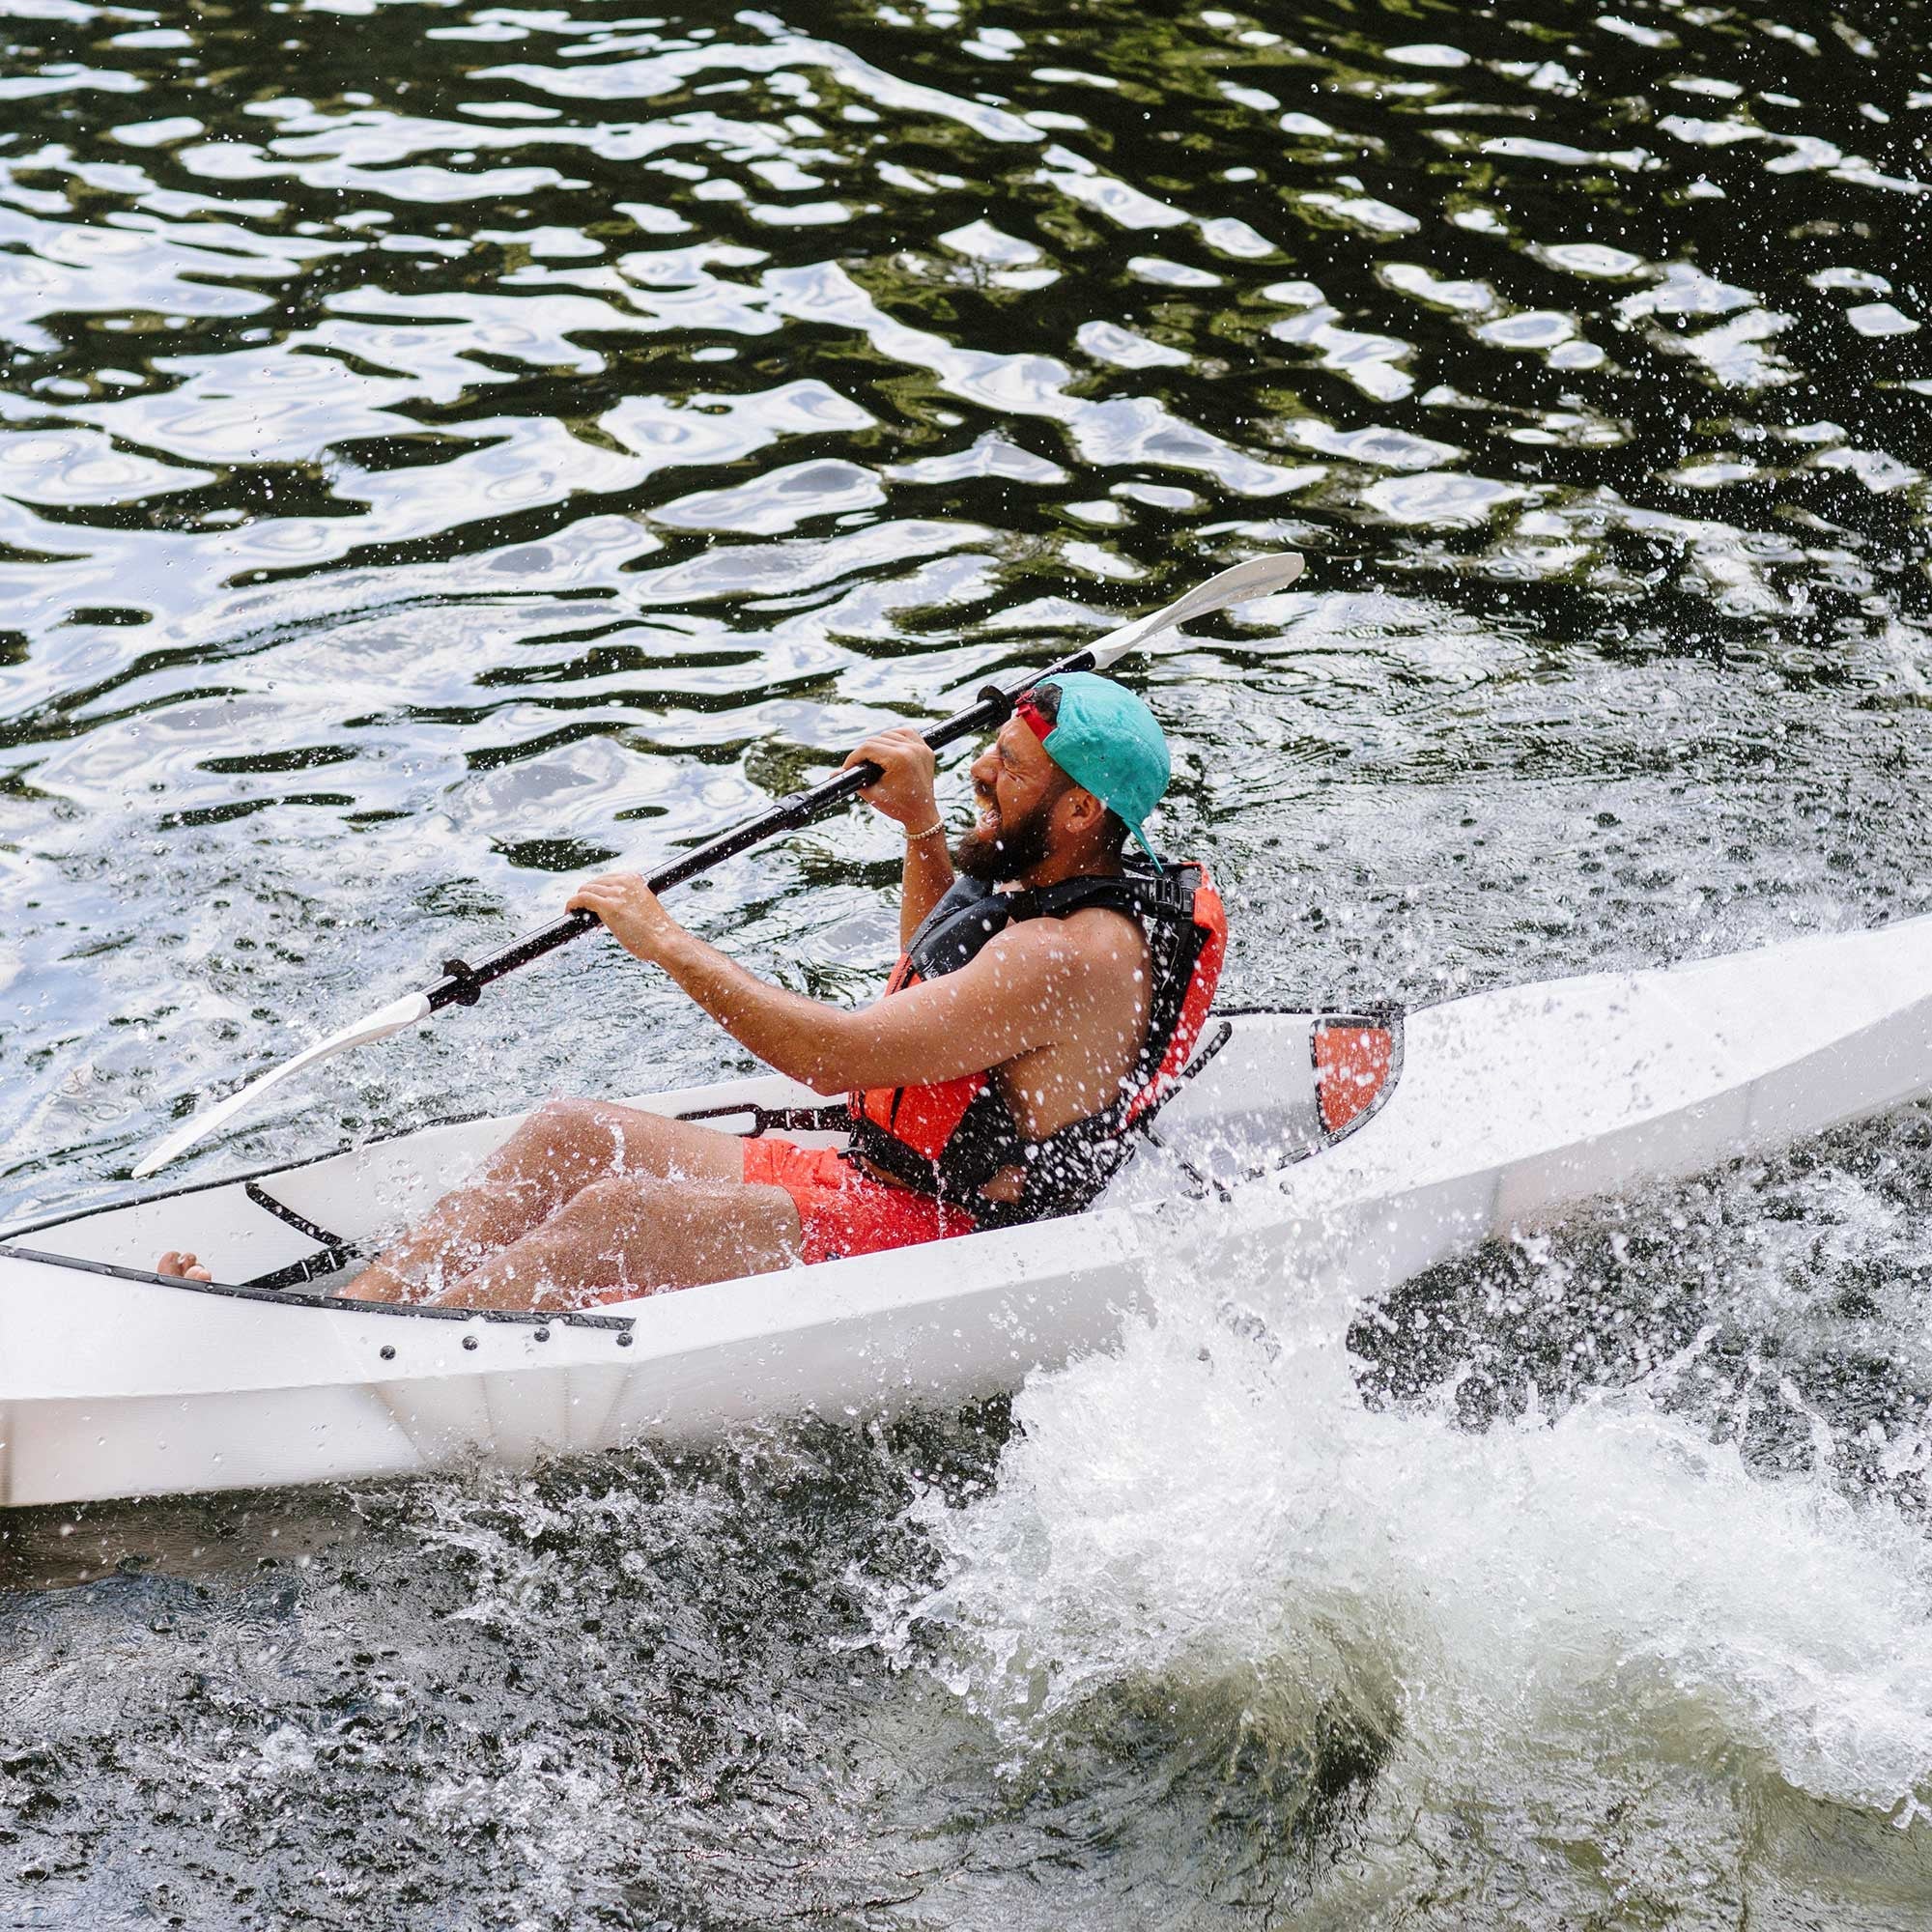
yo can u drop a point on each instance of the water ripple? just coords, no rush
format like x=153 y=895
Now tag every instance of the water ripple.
x=441 y=448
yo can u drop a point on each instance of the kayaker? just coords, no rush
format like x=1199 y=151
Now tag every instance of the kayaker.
x=1048 y=988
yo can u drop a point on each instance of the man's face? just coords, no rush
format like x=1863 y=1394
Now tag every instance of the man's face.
x=1015 y=787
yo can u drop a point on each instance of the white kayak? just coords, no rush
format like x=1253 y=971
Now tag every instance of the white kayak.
x=1361 y=1149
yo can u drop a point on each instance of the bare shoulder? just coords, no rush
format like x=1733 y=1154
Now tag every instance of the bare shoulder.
x=1095 y=937
x=1104 y=936
x=1089 y=949
x=1032 y=942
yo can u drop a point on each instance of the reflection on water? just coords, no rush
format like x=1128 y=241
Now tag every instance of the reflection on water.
x=446 y=447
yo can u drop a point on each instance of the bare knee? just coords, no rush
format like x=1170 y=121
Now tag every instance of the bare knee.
x=562 y=1123
x=585 y=1133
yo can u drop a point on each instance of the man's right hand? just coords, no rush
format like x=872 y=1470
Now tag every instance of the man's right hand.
x=904 y=788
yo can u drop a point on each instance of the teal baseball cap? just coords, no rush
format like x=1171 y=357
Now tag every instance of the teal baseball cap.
x=1102 y=737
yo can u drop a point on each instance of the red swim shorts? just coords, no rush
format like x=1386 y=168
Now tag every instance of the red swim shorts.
x=844 y=1210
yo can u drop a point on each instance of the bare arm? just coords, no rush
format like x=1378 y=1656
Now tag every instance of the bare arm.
x=1005 y=1003
x=1010 y=999
x=924 y=881
x=904 y=791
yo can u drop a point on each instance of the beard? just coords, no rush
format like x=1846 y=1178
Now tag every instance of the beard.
x=1009 y=850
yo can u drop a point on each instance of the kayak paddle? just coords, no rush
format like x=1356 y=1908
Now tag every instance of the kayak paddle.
x=462 y=985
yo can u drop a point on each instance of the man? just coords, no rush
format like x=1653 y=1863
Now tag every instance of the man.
x=1019 y=1026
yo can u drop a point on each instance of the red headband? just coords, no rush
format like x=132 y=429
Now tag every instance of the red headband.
x=1031 y=715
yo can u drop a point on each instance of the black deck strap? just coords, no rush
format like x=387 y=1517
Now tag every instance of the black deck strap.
x=834 y=1117
x=322 y=1263
x=300 y=1223
x=1145 y=1124
x=334 y=1254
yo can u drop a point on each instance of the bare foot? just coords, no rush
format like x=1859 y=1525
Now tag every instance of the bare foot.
x=181 y=1267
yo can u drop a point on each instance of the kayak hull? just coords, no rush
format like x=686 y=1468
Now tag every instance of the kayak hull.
x=1510 y=1107
x=157 y=1390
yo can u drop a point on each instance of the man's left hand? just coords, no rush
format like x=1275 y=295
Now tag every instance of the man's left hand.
x=631 y=912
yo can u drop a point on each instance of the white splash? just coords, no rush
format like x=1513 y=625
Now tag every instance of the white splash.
x=1213 y=1505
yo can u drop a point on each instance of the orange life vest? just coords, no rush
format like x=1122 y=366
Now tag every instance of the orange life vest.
x=952 y=1137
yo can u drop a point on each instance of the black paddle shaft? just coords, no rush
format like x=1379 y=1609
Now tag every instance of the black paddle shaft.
x=463 y=985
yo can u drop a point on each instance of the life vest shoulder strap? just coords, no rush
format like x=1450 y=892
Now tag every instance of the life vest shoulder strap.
x=967 y=915
x=1140 y=894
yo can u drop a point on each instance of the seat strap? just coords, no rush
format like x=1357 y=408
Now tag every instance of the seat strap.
x=282 y=1212
x=834 y=1117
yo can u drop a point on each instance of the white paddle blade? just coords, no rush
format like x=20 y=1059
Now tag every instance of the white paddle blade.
x=1259 y=576
x=392 y=1018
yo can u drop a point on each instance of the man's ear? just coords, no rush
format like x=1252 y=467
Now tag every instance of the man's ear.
x=1084 y=811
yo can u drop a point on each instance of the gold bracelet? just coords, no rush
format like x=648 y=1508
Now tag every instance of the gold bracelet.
x=937 y=825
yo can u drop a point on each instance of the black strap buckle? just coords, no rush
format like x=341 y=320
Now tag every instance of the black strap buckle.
x=335 y=1255
x=831 y=1117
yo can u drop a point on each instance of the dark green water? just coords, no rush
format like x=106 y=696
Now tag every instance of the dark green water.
x=442 y=448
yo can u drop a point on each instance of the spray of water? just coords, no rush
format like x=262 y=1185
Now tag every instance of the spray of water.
x=1212 y=1510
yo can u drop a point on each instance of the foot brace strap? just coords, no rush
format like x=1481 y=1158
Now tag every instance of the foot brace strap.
x=335 y=1255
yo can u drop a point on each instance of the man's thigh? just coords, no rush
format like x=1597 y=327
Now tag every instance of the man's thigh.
x=622 y=1238
x=672 y=1149
x=731 y=1229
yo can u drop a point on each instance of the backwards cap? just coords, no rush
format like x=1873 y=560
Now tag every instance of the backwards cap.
x=1103 y=737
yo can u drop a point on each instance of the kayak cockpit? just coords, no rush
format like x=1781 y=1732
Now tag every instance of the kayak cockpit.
x=1267 y=1088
